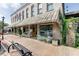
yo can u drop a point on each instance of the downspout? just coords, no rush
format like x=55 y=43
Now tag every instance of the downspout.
x=63 y=26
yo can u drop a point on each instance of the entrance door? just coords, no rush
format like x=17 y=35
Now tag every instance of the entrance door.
x=34 y=30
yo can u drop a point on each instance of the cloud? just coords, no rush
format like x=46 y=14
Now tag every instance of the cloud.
x=9 y=5
x=14 y=5
x=3 y=6
x=6 y=9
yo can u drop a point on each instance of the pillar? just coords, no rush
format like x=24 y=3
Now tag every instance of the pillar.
x=70 y=35
x=29 y=34
x=38 y=30
x=14 y=30
x=22 y=30
x=56 y=32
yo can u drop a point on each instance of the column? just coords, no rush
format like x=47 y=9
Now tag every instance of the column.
x=71 y=35
x=38 y=30
x=22 y=30
x=14 y=30
x=56 y=32
x=29 y=33
x=18 y=30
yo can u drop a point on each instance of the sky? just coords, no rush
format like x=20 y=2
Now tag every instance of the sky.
x=71 y=7
x=6 y=9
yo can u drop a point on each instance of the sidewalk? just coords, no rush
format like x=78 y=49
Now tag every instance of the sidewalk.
x=39 y=48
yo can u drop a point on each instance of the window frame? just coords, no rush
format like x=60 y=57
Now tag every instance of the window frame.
x=27 y=13
x=22 y=15
x=33 y=11
x=48 y=5
x=40 y=9
x=19 y=16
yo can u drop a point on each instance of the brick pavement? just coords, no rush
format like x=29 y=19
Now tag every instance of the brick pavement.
x=40 y=48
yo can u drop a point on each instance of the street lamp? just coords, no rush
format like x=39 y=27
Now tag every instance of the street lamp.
x=3 y=27
x=2 y=30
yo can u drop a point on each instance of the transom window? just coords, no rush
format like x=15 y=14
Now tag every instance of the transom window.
x=39 y=8
x=49 y=6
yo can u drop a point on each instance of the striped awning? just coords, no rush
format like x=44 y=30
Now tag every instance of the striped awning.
x=15 y=24
x=52 y=16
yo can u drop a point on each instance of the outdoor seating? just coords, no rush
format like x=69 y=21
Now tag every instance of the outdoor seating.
x=22 y=50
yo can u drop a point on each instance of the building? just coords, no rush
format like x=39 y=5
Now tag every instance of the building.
x=38 y=20
x=73 y=32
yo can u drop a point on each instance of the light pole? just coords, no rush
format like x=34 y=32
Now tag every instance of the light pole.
x=3 y=27
x=2 y=30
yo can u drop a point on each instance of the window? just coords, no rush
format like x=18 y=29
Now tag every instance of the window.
x=26 y=13
x=39 y=8
x=19 y=16
x=33 y=10
x=22 y=15
x=49 y=6
x=15 y=19
x=45 y=29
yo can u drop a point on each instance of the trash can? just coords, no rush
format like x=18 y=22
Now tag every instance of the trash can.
x=58 y=42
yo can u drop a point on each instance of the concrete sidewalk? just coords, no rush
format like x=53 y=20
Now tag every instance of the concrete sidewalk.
x=39 y=48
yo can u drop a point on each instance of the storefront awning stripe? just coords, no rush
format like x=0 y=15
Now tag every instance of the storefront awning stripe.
x=51 y=16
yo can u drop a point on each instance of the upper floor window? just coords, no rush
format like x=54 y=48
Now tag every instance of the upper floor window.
x=22 y=15
x=15 y=19
x=33 y=10
x=27 y=13
x=49 y=6
x=19 y=16
x=39 y=8
x=12 y=20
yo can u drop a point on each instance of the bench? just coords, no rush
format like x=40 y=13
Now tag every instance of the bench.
x=22 y=50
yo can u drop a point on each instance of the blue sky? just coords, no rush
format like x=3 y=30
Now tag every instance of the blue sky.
x=71 y=7
x=7 y=8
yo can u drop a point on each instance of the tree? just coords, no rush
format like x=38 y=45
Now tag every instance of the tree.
x=5 y=24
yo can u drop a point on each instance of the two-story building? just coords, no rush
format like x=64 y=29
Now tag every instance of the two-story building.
x=38 y=20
